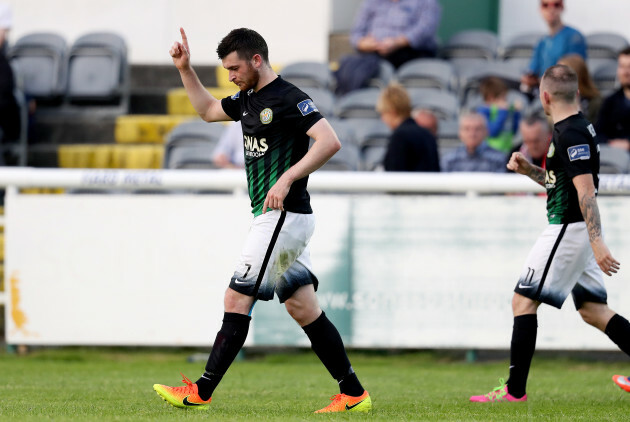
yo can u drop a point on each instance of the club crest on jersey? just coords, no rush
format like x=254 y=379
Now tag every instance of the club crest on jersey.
x=266 y=116
x=551 y=151
x=579 y=152
x=307 y=107
x=235 y=96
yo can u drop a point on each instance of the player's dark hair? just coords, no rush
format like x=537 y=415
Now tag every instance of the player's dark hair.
x=246 y=42
x=624 y=52
x=561 y=82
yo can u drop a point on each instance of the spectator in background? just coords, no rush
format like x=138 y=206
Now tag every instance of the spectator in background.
x=562 y=40
x=230 y=152
x=410 y=147
x=613 y=123
x=502 y=117
x=475 y=154
x=590 y=98
x=426 y=119
x=394 y=30
x=535 y=133
x=9 y=110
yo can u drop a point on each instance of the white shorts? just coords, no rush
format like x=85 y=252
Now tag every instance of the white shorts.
x=562 y=262
x=275 y=257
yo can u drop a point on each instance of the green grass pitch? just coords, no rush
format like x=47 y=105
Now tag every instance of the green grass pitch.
x=116 y=385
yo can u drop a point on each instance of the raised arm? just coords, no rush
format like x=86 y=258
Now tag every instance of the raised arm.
x=590 y=211
x=519 y=164
x=208 y=107
x=325 y=146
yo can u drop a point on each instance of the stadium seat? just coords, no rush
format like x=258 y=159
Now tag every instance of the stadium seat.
x=605 y=76
x=190 y=145
x=323 y=99
x=41 y=61
x=605 y=44
x=444 y=104
x=386 y=74
x=309 y=75
x=372 y=157
x=178 y=103
x=470 y=79
x=519 y=64
x=613 y=160
x=521 y=45
x=141 y=128
x=428 y=73
x=474 y=43
x=372 y=137
x=594 y=63
x=448 y=136
x=98 y=72
x=358 y=104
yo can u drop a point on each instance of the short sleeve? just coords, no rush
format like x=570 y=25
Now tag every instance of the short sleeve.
x=232 y=106
x=576 y=152
x=305 y=110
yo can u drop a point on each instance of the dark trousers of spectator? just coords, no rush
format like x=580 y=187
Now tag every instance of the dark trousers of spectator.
x=403 y=55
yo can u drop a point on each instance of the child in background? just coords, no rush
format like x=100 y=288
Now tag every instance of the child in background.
x=503 y=118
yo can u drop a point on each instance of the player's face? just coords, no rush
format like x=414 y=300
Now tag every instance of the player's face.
x=472 y=131
x=241 y=72
x=623 y=70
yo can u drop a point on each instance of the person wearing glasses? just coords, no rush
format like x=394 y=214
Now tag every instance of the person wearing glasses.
x=560 y=41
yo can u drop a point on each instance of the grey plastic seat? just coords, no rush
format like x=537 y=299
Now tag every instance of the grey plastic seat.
x=308 y=74
x=521 y=45
x=474 y=43
x=605 y=76
x=448 y=136
x=41 y=60
x=372 y=136
x=346 y=159
x=386 y=74
x=98 y=71
x=360 y=103
x=470 y=79
x=324 y=100
x=613 y=160
x=190 y=144
x=372 y=157
x=594 y=63
x=369 y=132
x=428 y=73
x=444 y=104
x=605 y=44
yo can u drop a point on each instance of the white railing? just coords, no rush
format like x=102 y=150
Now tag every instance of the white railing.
x=322 y=181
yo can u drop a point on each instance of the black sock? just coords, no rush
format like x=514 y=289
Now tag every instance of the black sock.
x=228 y=343
x=328 y=346
x=521 y=352
x=618 y=330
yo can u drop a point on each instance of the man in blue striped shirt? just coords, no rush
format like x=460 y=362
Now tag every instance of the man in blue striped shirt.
x=397 y=30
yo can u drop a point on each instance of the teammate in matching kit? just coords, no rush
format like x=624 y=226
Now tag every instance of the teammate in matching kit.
x=278 y=120
x=570 y=255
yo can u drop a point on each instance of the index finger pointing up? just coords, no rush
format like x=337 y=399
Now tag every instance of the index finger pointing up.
x=184 y=38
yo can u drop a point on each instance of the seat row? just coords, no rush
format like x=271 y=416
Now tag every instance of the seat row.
x=191 y=145
x=93 y=70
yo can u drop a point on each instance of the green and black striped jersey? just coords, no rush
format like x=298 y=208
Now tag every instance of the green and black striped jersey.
x=573 y=151
x=275 y=121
